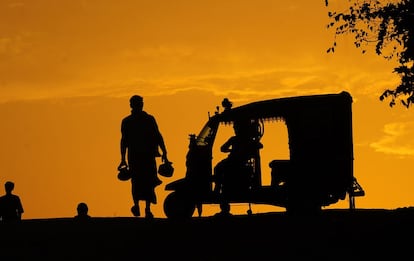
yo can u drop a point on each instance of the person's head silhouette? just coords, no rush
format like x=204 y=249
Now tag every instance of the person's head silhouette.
x=136 y=102
x=82 y=210
x=9 y=186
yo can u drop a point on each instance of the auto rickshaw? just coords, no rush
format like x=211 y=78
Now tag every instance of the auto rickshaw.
x=318 y=173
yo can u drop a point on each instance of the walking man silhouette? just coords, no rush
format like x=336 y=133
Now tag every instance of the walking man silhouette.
x=140 y=143
x=11 y=208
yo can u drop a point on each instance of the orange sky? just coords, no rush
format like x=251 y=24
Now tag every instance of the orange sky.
x=68 y=68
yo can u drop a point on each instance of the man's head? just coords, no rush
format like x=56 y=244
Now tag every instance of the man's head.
x=9 y=186
x=82 y=209
x=136 y=102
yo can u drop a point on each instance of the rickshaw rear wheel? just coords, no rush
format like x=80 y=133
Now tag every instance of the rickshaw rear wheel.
x=177 y=206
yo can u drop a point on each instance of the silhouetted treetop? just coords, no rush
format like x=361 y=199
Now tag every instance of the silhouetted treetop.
x=389 y=25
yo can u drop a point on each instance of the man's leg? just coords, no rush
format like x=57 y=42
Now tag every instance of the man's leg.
x=148 y=213
x=135 y=208
x=225 y=207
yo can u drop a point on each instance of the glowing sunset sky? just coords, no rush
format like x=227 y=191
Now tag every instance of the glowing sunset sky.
x=68 y=68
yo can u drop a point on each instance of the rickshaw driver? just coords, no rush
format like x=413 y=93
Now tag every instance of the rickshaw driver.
x=241 y=147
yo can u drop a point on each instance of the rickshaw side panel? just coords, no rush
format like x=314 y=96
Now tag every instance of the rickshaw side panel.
x=321 y=147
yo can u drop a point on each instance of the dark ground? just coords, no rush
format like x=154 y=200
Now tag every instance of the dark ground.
x=362 y=234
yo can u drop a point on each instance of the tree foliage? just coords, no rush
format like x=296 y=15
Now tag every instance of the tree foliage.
x=390 y=27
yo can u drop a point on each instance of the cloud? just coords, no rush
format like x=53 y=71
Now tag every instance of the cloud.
x=13 y=45
x=254 y=84
x=168 y=68
x=16 y=5
x=397 y=139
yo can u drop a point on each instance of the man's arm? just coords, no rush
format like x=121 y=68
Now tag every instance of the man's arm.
x=123 y=146
x=19 y=207
x=163 y=148
x=161 y=142
x=123 y=150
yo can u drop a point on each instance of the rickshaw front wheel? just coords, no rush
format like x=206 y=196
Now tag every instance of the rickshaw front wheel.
x=177 y=206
